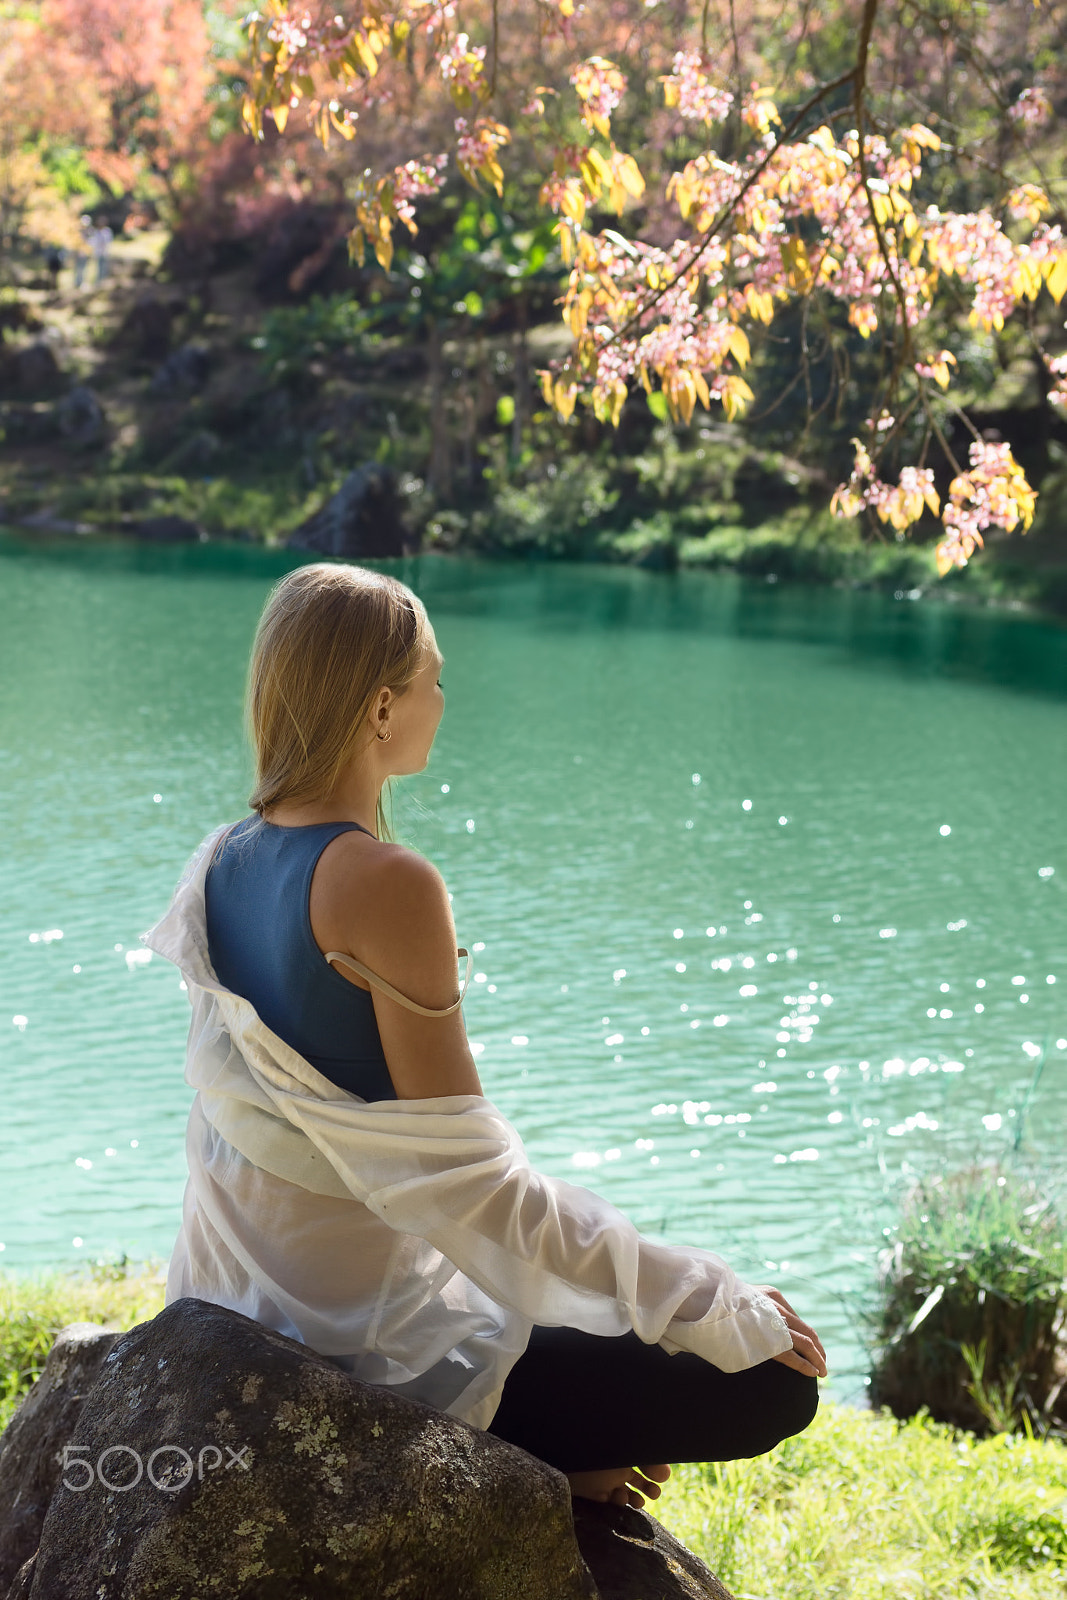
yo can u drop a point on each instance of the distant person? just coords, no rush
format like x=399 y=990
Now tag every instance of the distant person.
x=102 y=240
x=349 y=1183
x=83 y=254
x=53 y=264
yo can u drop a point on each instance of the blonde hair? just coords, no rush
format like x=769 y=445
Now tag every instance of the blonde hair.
x=330 y=637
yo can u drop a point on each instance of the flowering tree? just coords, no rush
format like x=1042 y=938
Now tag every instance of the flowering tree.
x=34 y=99
x=148 y=62
x=761 y=183
x=122 y=86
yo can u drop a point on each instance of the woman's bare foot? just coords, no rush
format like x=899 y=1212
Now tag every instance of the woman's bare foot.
x=620 y=1486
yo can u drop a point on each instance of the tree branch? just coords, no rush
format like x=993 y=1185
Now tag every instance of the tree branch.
x=757 y=172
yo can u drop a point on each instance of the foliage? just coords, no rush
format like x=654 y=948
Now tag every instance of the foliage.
x=860 y=1507
x=111 y=100
x=34 y=1308
x=554 y=514
x=291 y=335
x=973 y=1302
x=781 y=167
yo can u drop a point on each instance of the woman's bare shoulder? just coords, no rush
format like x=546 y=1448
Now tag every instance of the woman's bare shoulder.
x=398 y=874
x=385 y=899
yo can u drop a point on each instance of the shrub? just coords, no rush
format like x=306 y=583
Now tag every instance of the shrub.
x=972 y=1306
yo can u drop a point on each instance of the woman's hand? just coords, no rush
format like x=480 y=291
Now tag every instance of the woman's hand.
x=807 y=1355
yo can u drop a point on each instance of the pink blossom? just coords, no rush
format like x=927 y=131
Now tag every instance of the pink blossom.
x=1033 y=108
x=462 y=64
x=691 y=91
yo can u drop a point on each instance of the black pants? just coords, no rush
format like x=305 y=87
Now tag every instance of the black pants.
x=583 y=1402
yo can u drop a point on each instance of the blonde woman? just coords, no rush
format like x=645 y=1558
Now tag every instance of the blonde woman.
x=349 y=1183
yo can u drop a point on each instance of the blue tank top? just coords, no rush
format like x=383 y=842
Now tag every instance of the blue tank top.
x=261 y=947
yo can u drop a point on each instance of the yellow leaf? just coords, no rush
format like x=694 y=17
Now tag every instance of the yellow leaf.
x=546 y=385
x=355 y=245
x=252 y=117
x=739 y=346
x=945 y=560
x=629 y=175
x=573 y=203
x=281 y=117
x=823 y=139
x=577 y=314
x=702 y=390
x=1057 y=278
x=761 y=305
x=881 y=206
x=383 y=245
x=736 y=395
x=924 y=136
x=366 y=55
x=564 y=396
x=795 y=260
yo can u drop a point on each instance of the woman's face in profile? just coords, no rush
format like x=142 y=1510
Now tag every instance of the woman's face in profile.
x=416 y=714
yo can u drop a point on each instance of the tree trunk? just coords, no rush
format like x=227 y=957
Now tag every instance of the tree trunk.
x=439 y=472
x=522 y=378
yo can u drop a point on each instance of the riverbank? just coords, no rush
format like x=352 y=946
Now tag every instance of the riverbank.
x=859 y=1506
x=165 y=406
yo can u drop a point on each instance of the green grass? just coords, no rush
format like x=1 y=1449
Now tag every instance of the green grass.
x=34 y=1308
x=861 y=1507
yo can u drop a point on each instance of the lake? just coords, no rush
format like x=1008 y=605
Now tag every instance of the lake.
x=765 y=885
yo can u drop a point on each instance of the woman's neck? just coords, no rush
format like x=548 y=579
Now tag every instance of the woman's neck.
x=340 y=807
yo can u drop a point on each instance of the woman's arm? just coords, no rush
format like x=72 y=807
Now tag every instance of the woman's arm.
x=388 y=907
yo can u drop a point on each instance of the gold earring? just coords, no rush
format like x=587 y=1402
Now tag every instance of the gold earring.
x=388 y=734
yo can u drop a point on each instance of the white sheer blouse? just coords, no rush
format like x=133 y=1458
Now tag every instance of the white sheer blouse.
x=410 y=1241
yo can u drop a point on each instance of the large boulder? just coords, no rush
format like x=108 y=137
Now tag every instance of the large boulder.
x=81 y=418
x=31 y=1447
x=203 y=1455
x=36 y=370
x=147 y=328
x=362 y=519
x=183 y=372
x=633 y=1558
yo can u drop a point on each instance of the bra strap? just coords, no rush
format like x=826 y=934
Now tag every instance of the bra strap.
x=394 y=994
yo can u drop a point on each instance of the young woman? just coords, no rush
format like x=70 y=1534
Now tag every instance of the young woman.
x=350 y=1185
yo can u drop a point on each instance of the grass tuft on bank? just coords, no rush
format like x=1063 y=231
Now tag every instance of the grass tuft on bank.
x=34 y=1307
x=973 y=1302
x=862 y=1507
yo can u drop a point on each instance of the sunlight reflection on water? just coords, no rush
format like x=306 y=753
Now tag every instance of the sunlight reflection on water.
x=765 y=892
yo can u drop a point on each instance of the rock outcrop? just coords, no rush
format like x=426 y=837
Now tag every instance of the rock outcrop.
x=203 y=1455
x=31 y=1447
x=184 y=372
x=362 y=519
x=81 y=419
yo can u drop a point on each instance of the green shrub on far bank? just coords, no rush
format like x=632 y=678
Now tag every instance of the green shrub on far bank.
x=860 y=1507
x=34 y=1308
x=973 y=1303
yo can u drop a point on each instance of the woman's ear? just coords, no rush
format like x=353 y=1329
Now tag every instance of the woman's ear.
x=381 y=708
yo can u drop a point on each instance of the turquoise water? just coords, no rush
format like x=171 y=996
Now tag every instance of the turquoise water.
x=765 y=885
